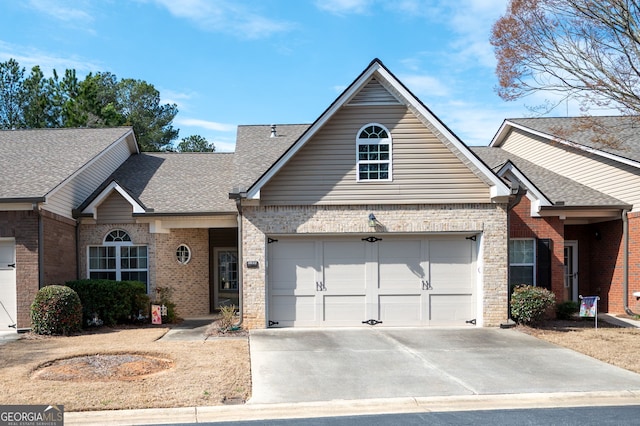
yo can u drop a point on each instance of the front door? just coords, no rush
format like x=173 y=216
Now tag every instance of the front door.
x=8 y=310
x=226 y=276
x=571 y=270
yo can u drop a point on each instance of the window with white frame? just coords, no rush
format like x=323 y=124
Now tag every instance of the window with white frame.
x=522 y=261
x=118 y=259
x=374 y=147
x=183 y=254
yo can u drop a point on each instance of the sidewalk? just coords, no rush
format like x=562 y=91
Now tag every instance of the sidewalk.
x=345 y=408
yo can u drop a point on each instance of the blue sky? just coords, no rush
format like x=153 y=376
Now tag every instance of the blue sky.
x=231 y=62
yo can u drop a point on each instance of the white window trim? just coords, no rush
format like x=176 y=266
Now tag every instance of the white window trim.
x=117 y=244
x=388 y=141
x=535 y=257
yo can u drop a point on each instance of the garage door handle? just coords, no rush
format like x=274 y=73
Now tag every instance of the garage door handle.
x=426 y=285
x=320 y=286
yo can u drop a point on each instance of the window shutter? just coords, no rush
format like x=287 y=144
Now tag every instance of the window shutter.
x=543 y=267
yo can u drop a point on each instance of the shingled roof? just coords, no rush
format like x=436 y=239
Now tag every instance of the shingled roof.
x=184 y=183
x=34 y=162
x=615 y=135
x=555 y=187
x=257 y=151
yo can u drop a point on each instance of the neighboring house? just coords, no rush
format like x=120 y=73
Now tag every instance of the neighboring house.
x=44 y=175
x=374 y=213
x=581 y=210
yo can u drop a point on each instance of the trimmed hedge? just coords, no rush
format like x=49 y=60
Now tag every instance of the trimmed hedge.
x=56 y=309
x=113 y=302
x=529 y=304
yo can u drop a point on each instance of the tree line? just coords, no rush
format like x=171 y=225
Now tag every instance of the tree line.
x=31 y=101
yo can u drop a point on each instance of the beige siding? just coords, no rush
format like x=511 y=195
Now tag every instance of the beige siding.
x=374 y=94
x=610 y=177
x=78 y=189
x=115 y=209
x=424 y=170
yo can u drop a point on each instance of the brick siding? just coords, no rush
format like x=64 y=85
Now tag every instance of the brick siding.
x=488 y=219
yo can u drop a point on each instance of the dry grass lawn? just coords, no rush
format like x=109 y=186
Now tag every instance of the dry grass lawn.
x=212 y=372
x=611 y=344
x=200 y=373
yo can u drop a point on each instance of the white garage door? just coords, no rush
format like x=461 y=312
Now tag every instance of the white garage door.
x=7 y=284
x=348 y=281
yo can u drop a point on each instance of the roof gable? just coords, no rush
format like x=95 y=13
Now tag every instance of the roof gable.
x=377 y=86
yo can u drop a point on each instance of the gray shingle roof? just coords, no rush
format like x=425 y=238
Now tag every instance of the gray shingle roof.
x=612 y=134
x=256 y=151
x=554 y=186
x=179 y=183
x=34 y=162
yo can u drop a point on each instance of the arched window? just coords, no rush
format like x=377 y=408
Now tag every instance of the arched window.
x=118 y=259
x=374 y=148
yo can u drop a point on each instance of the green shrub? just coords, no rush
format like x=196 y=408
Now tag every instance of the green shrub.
x=111 y=302
x=529 y=304
x=56 y=310
x=565 y=310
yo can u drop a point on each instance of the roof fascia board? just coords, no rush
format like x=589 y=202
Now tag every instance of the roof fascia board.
x=532 y=190
x=92 y=208
x=498 y=189
x=497 y=141
x=95 y=158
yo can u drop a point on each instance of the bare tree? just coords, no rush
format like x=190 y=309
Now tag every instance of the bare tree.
x=588 y=50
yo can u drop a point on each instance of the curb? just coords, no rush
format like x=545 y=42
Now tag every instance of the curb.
x=248 y=412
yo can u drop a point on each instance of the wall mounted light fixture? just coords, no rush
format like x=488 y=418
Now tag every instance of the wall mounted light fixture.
x=372 y=220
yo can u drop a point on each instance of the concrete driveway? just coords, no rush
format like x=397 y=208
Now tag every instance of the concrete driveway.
x=304 y=365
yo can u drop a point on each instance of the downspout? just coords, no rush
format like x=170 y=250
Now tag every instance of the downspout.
x=238 y=197
x=36 y=209
x=517 y=193
x=625 y=261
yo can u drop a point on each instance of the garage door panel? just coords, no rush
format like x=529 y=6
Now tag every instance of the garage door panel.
x=336 y=281
x=451 y=309
x=344 y=310
x=401 y=309
x=8 y=296
x=297 y=310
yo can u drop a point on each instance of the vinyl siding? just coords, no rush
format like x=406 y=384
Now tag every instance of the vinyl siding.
x=608 y=176
x=424 y=170
x=115 y=209
x=373 y=94
x=72 y=193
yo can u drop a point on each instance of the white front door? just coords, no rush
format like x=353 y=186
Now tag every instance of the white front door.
x=8 y=305
x=393 y=280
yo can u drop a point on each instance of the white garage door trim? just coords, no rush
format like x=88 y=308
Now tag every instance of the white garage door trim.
x=398 y=280
x=8 y=292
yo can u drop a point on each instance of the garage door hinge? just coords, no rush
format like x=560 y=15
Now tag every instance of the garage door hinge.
x=473 y=321
x=271 y=240
x=472 y=238
x=372 y=322
x=272 y=323
x=372 y=239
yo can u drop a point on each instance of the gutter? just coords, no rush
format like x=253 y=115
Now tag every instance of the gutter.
x=238 y=196
x=36 y=209
x=625 y=261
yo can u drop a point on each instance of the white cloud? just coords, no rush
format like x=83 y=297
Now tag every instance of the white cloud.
x=62 y=10
x=344 y=7
x=225 y=16
x=204 y=124
x=179 y=98
x=29 y=57
x=425 y=85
